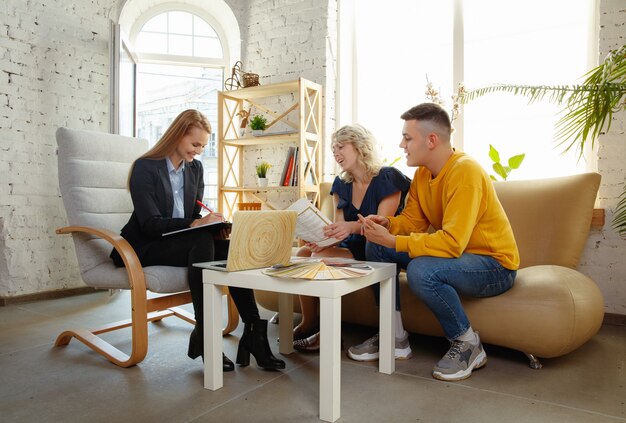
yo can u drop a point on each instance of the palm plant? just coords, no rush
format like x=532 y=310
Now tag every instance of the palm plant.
x=588 y=109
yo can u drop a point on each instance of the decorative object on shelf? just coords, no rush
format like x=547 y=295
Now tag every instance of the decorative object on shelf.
x=241 y=79
x=258 y=124
x=250 y=79
x=244 y=115
x=249 y=206
x=261 y=173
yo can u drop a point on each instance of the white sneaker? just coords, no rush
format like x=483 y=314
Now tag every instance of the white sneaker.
x=368 y=350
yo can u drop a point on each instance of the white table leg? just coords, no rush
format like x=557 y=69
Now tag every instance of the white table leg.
x=285 y=323
x=213 y=372
x=387 y=340
x=330 y=359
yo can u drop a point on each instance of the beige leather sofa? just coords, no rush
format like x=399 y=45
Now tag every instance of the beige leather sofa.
x=552 y=309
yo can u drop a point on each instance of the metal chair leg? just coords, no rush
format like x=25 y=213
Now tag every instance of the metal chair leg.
x=534 y=362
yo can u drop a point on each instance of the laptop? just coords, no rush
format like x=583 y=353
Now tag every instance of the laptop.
x=258 y=239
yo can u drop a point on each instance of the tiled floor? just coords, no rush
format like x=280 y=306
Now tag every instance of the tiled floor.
x=73 y=384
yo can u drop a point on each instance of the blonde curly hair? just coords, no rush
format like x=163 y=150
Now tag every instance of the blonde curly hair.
x=364 y=143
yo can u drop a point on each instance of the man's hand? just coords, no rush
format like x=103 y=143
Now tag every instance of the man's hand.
x=375 y=230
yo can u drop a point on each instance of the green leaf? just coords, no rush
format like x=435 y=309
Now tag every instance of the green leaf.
x=516 y=161
x=500 y=170
x=493 y=154
x=493 y=178
x=587 y=111
x=396 y=160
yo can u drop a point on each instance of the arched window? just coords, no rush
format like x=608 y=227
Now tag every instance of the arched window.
x=181 y=51
x=179 y=33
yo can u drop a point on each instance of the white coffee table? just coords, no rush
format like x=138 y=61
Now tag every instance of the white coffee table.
x=329 y=293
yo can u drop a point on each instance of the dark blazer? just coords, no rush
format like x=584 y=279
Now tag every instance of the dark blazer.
x=153 y=202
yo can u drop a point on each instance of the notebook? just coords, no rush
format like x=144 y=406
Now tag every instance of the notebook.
x=258 y=239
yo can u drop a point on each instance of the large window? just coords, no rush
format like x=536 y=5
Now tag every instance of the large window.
x=181 y=59
x=403 y=43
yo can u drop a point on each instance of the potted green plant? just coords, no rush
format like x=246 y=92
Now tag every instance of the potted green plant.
x=261 y=173
x=258 y=124
x=588 y=109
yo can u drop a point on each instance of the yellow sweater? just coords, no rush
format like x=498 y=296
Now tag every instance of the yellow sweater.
x=462 y=207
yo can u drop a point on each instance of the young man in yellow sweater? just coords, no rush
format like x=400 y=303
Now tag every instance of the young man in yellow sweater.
x=471 y=252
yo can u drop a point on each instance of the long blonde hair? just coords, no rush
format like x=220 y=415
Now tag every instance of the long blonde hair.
x=364 y=143
x=180 y=127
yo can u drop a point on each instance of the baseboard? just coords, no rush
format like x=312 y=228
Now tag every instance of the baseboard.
x=48 y=295
x=614 y=319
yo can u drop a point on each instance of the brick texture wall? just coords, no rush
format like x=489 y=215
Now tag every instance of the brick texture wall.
x=284 y=40
x=54 y=71
x=603 y=259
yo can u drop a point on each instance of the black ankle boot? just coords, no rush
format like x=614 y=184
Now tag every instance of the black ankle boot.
x=196 y=349
x=196 y=343
x=254 y=341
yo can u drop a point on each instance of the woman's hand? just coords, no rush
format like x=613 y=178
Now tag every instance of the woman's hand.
x=314 y=247
x=209 y=218
x=339 y=230
x=222 y=234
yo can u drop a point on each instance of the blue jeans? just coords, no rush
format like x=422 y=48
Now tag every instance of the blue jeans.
x=439 y=282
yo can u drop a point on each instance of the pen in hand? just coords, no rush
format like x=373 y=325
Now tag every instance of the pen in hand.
x=204 y=206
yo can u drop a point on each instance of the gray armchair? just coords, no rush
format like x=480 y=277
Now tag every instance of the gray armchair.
x=93 y=168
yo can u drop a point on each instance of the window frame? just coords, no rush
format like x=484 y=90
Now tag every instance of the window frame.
x=346 y=107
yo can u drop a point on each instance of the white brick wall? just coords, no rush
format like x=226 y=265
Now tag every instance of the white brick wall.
x=282 y=41
x=54 y=72
x=603 y=259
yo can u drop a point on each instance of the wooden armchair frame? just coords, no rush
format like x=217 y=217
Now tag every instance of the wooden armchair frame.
x=143 y=309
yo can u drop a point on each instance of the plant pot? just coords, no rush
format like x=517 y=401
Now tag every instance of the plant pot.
x=262 y=182
x=257 y=132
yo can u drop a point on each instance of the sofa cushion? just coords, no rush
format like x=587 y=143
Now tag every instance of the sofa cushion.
x=551 y=217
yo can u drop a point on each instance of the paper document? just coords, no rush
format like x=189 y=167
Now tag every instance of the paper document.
x=310 y=223
x=216 y=226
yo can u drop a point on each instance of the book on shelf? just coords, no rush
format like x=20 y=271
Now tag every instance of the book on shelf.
x=290 y=167
x=310 y=223
x=308 y=174
x=294 y=174
x=283 y=177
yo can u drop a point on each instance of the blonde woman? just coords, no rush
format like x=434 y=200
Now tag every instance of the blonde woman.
x=363 y=187
x=166 y=184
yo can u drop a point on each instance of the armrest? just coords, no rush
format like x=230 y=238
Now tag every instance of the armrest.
x=131 y=261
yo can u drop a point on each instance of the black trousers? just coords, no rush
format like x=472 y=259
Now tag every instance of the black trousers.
x=191 y=247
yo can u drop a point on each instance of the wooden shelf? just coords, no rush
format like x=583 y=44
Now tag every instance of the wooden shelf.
x=270 y=139
x=259 y=189
x=300 y=102
x=261 y=91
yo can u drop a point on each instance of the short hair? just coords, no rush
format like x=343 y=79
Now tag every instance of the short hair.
x=432 y=113
x=364 y=143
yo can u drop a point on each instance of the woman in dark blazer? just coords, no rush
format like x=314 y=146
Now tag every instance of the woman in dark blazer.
x=165 y=185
